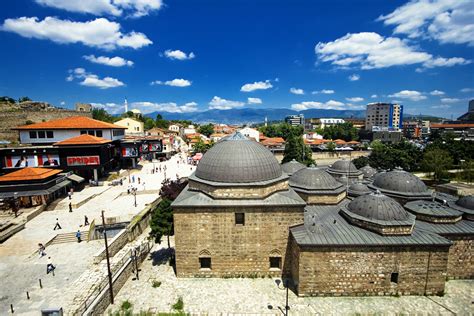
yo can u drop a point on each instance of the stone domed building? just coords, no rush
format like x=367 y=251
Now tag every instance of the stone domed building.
x=292 y=166
x=357 y=189
x=345 y=168
x=368 y=172
x=466 y=205
x=316 y=186
x=401 y=185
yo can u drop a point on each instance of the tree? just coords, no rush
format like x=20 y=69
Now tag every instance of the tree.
x=201 y=146
x=331 y=146
x=296 y=149
x=360 y=162
x=437 y=162
x=102 y=115
x=283 y=130
x=6 y=99
x=149 y=123
x=23 y=99
x=345 y=131
x=160 y=122
x=404 y=155
x=207 y=129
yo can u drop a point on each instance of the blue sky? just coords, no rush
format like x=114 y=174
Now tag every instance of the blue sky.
x=185 y=56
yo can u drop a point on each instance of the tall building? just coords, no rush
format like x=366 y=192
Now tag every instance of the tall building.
x=295 y=120
x=383 y=116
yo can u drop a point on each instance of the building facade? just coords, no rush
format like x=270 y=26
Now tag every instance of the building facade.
x=384 y=116
x=133 y=127
x=295 y=120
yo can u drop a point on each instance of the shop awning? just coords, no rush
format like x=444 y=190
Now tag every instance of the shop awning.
x=54 y=188
x=75 y=178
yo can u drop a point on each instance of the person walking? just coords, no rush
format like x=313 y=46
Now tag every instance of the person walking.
x=41 y=250
x=69 y=194
x=86 y=221
x=78 y=236
x=70 y=207
x=133 y=179
x=49 y=266
x=57 y=226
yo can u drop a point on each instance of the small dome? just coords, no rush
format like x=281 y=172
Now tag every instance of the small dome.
x=466 y=202
x=292 y=166
x=313 y=178
x=343 y=166
x=376 y=206
x=358 y=189
x=368 y=171
x=236 y=159
x=399 y=180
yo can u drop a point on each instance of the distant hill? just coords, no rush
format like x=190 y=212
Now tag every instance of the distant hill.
x=250 y=116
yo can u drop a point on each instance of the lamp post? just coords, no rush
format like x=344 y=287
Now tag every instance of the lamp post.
x=109 y=272
x=134 y=192
x=286 y=284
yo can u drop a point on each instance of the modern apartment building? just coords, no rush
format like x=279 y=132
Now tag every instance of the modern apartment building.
x=295 y=120
x=383 y=116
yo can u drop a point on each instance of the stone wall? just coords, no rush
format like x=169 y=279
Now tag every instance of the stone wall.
x=322 y=199
x=367 y=271
x=460 y=261
x=115 y=245
x=235 y=250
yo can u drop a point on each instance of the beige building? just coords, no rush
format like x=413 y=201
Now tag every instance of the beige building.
x=133 y=126
x=383 y=116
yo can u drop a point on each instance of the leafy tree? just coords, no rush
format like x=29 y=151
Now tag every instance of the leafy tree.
x=23 y=99
x=102 y=115
x=160 y=122
x=345 y=131
x=149 y=123
x=331 y=146
x=360 y=162
x=207 y=129
x=283 y=130
x=6 y=99
x=201 y=146
x=437 y=162
x=404 y=155
x=296 y=149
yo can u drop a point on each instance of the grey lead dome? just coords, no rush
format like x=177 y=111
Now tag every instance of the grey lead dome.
x=236 y=159
x=379 y=207
x=466 y=202
x=313 y=178
x=399 y=181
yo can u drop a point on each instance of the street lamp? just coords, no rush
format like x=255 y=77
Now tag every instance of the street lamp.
x=286 y=284
x=134 y=192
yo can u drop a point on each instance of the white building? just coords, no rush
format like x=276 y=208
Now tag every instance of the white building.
x=133 y=126
x=174 y=128
x=383 y=116
x=250 y=133
x=189 y=130
x=330 y=121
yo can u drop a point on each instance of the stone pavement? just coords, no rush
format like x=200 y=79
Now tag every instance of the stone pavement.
x=20 y=266
x=262 y=296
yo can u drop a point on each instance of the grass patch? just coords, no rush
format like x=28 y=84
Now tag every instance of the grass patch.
x=155 y=283
x=179 y=305
x=126 y=305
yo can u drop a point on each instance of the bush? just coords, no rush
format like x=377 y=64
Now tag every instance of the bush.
x=126 y=305
x=179 y=305
x=155 y=283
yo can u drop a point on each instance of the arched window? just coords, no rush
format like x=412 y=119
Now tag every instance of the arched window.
x=205 y=259
x=275 y=259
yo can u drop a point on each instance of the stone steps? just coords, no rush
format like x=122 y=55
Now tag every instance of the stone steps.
x=68 y=237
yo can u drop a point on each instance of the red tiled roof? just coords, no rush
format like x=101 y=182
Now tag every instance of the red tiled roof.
x=273 y=141
x=72 y=122
x=29 y=173
x=84 y=139
x=452 y=125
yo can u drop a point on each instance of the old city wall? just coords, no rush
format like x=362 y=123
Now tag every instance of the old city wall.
x=460 y=262
x=367 y=271
x=235 y=250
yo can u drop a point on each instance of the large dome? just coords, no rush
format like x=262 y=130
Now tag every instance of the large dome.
x=399 y=181
x=466 y=202
x=368 y=171
x=343 y=166
x=376 y=206
x=236 y=159
x=291 y=167
x=313 y=178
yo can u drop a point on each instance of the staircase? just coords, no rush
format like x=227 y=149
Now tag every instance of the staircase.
x=68 y=237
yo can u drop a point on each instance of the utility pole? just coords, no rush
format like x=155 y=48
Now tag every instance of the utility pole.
x=111 y=289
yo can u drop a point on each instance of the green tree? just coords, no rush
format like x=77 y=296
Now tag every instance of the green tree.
x=437 y=162
x=6 y=99
x=201 y=146
x=331 y=146
x=296 y=149
x=207 y=129
x=149 y=123
x=102 y=115
x=404 y=155
x=23 y=99
x=345 y=131
x=283 y=130
x=160 y=122
x=360 y=162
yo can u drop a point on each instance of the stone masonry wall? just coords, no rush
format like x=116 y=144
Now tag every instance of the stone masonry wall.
x=235 y=250
x=242 y=192
x=322 y=199
x=367 y=271
x=461 y=257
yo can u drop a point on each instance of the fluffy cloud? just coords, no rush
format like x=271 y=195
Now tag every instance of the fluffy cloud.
x=329 y=105
x=369 y=50
x=100 y=32
x=296 y=91
x=442 y=106
x=465 y=90
x=373 y=96
x=92 y=80
x=223 y=104
x=354 y=77
x=437 y=92
x=450 y=100
x=446 y=21
x=258 y=85
x=254 y=101
x=148 y=107
x=114 y=61
x=355 y=99
x=179 y=55
x=173 y=83
x=324 y=91
x=408 y=95
x=133 y=8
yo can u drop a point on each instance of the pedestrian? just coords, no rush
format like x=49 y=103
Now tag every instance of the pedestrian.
x=41 y=250
x=70 y=207
x=143 y=185
x=78 y=236
x=133 y=179
x=139 y=180
x=57 y=226
x=69 y=194
x=177 y=177
x=49 y=266
x=128 y=189
x=86 y=220
x=121 y=182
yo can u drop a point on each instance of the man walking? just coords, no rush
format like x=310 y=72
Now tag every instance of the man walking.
x=57 y=226
x=86 y=220
x=49 y=266
x=70 y=207
x=78 y=236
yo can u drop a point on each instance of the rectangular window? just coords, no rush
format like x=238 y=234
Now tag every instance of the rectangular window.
x=83 y=132
x=90 y=133
x=49 y=134
x=394 y=277
x=41 y=134
x=98 y=133
x=275 y=262
x=239 y=218
x=205 y=263
x=33 y=134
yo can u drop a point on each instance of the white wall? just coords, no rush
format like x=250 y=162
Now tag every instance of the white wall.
x=60 y=135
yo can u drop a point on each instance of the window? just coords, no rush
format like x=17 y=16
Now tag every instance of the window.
x=205 y=262
x=33 y=134
x=239 y=218
x=90 y=133
x=98 y=133
x=49 y=134
x=394 y=277
x=41 y=134
x=83 y=132
x=275 y=262
x=118 y=132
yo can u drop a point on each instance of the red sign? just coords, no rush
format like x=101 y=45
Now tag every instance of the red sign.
x=83 y=161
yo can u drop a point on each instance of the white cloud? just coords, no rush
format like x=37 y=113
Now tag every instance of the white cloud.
x=447 y=21
x=114 y=61
x=354 y=77
x=223 y=104
x=62 y=103
x=373 y=96
x=355 y=99
x=254 y=101
x=450 y=100
x=442 y=106
x=258 y=85
x=297 y=91
x=148 y=107
x=408 y=95
x=369 y=50
x=92 y=80
x=329 y=105
x=179 y=55
x=133 y=8
x=100 y=32
x=437 y=92
x=466 y=90
x=324 y=91
x=173 y=83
